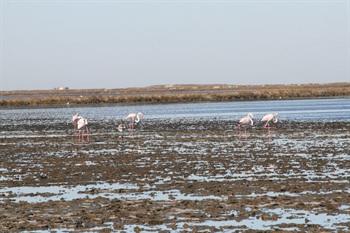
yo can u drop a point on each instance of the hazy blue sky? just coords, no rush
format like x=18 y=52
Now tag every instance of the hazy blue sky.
x=122 y=43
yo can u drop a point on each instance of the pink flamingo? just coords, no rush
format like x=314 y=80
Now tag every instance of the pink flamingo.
x=75 y=120
x=268 y=118
x=83 y=129
x=80 y=127
x=135 y=119
x=246 y=121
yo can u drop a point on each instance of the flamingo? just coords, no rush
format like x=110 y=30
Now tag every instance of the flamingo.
x=246 y=121
x=135 y=119
x=139 y=118
x=268 y=118
x=75 y=120
x=131 y=118
x=83 y=128
x=80 y=126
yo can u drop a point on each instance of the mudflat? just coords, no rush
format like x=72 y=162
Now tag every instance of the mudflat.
x=176 y=175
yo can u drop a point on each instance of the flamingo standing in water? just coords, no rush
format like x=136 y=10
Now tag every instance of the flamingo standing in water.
x=268 y=118
x=80 y=127
x=139 y=118
x=75 y=120
x=246 y=121
x=135 y=119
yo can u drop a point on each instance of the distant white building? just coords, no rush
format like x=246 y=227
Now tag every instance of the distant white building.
x=61 y=88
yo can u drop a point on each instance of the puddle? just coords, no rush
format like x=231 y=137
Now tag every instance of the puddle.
x=344 y=207
x=68 y=193
x=287 y=220
x=37 y=194
x=339 y=175
x=285 y=217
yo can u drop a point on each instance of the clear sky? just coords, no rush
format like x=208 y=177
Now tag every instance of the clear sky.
x=124 y=43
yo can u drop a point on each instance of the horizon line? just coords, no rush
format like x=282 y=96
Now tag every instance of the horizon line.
x=67 y=88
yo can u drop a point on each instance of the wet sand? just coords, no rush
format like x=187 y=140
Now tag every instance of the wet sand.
x=176 y=175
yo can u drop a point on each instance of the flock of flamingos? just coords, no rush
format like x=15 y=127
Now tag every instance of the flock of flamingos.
x=134 y=120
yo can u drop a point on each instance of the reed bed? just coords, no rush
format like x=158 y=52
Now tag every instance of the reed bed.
x=172 y=94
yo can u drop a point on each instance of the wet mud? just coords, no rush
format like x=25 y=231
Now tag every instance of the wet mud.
x=178 y=175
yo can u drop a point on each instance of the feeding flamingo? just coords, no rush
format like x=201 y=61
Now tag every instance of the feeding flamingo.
x=139 y=117
x=135 y=119
x=75 y=120
x=246 y=121
x=268 y=118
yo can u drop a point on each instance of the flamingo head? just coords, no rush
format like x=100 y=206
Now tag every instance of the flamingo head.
x=250 y=115
x=139 y=117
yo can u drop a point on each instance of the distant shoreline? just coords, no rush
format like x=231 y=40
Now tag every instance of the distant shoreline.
x=166 y=94
x=148 y=103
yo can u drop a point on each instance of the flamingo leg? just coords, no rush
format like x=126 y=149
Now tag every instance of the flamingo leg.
x=239 y=129
x=269 y=134
x=132 y=125
x=83 y=138
x=79 y=135
x=267 y=125
x=89 y=135
x=85 y=134
x=82 y=135
x=74 y=135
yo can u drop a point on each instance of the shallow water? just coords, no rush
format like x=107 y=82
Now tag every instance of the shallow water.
x=285 y=217
x=41 y=194
x=299 y=110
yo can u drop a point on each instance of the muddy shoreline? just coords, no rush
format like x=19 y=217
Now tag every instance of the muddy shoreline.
x=176 y=175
